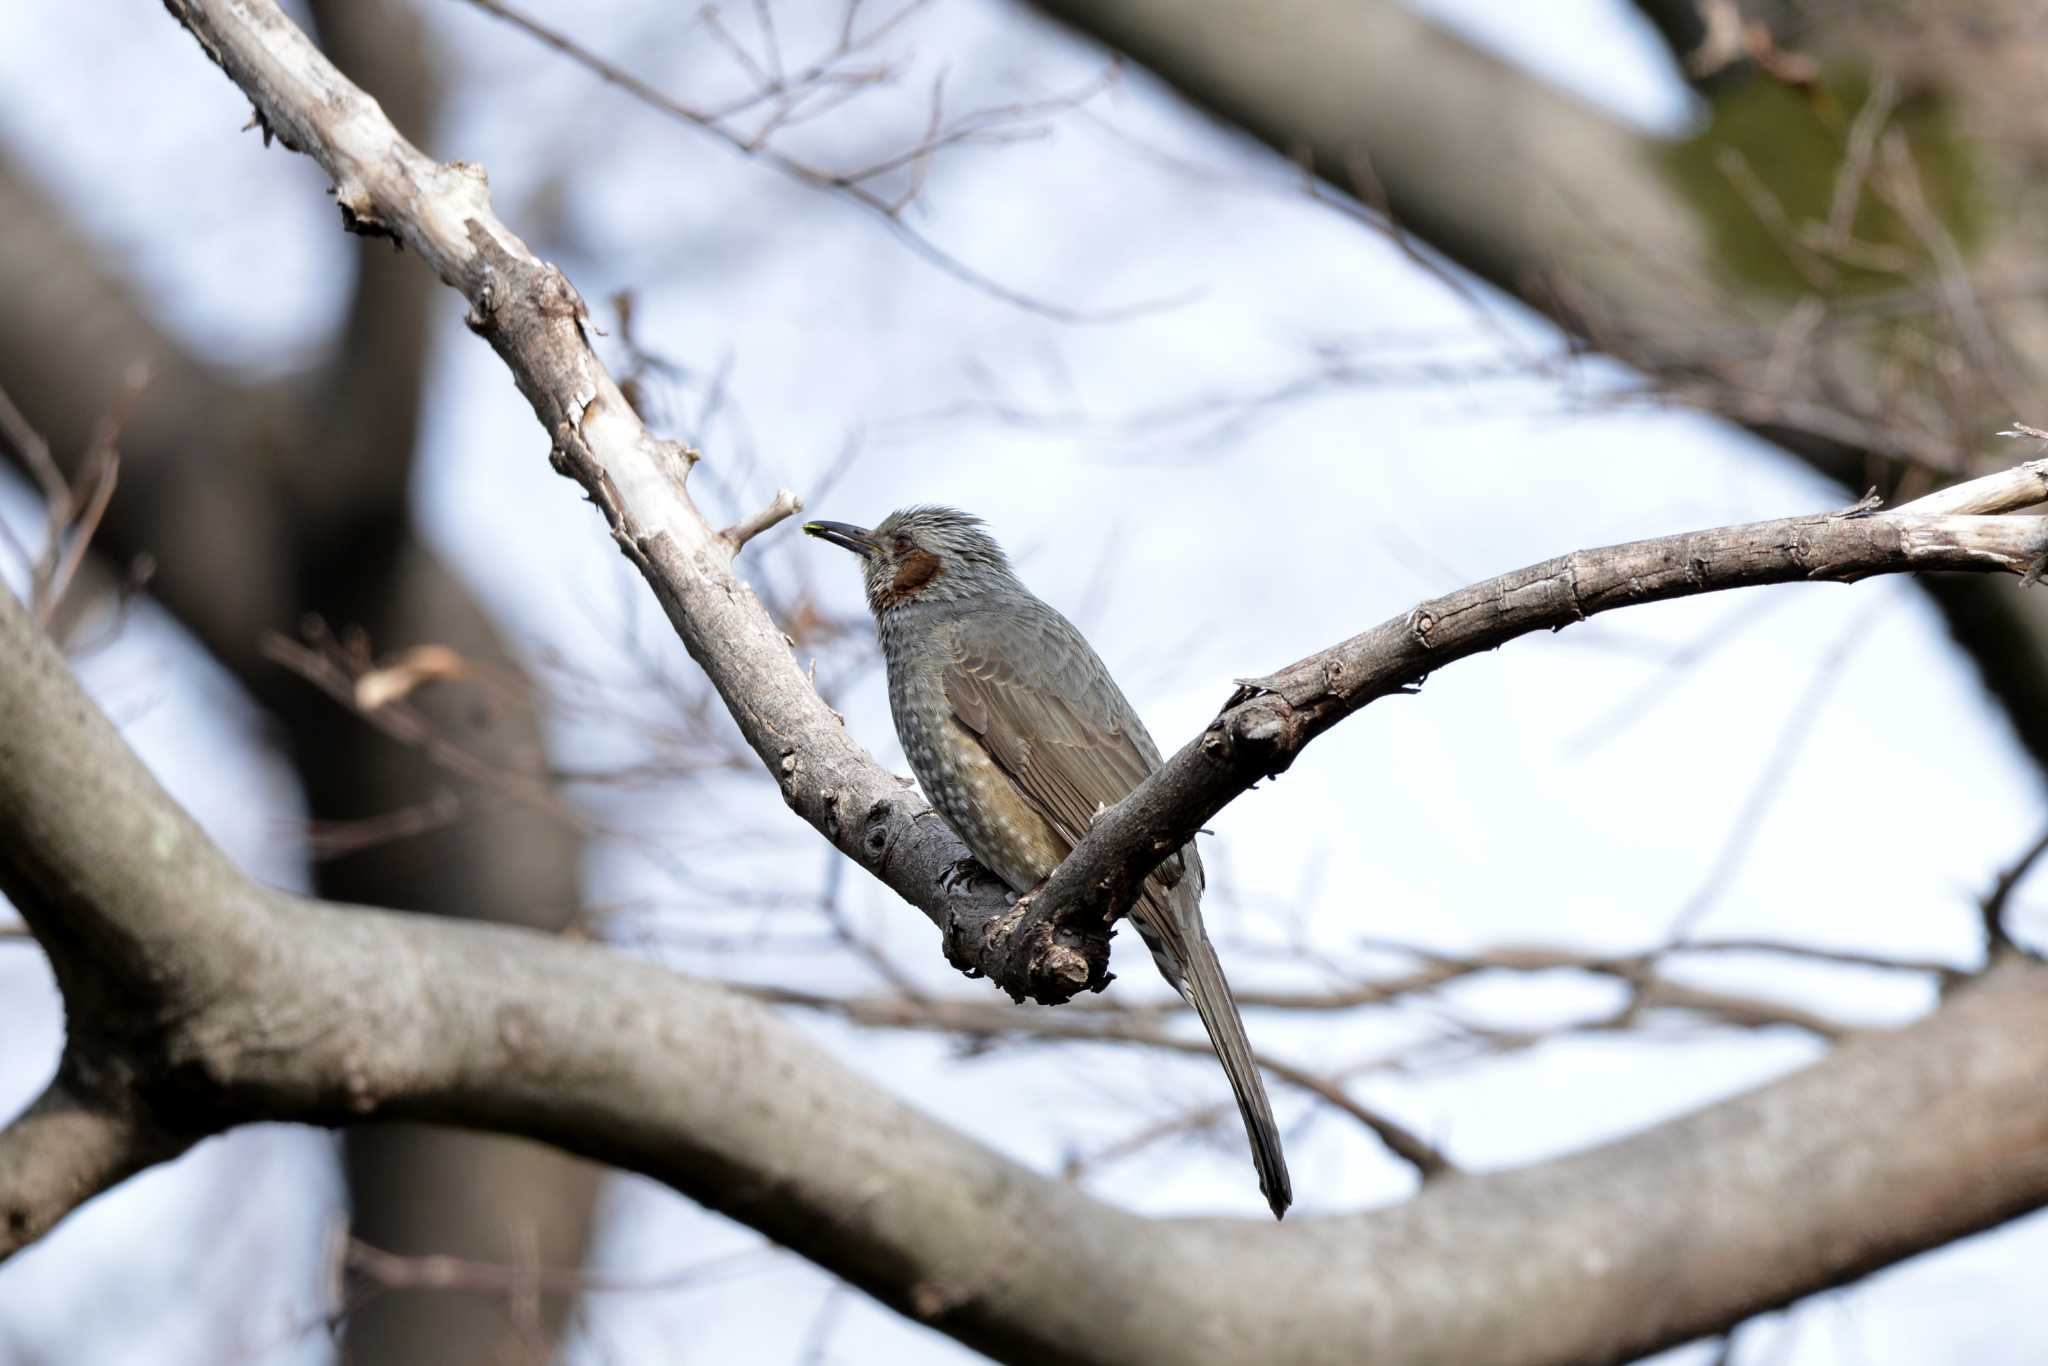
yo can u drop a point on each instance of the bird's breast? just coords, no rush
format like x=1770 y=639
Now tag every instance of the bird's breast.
x=970 y=792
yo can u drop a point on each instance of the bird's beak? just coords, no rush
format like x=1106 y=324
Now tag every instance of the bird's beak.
x=855 y=538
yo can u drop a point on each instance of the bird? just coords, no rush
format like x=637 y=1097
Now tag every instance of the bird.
x=1019 y=737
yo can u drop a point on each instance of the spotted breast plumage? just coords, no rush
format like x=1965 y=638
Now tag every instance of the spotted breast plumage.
x=1019 y=735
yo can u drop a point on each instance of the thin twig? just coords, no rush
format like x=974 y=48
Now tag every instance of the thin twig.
x=1993 y=907
x=1817 y=953
x=784 y=505
x=987 y=1019
x=28 y=443
x=85 y=525
x=847 y=184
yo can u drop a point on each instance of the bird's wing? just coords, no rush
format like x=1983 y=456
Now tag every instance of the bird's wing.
x=1048 y=714
x=1052 y=719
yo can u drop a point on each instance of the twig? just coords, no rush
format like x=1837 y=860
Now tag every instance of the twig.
x=72 y=521
x=1818 y=954
x=333 y=839
x=784 y=505
x=1659 y=686
x=2012 y=490
x=823 y=1324
x=1769 y=212
x=1650 y=989
x=28 y=443
x=1993 y=907
x=848 y=184
x=990 y=1020
x=1855 y=168
x=344 y=670
x=84 y=526
x=1055 y=945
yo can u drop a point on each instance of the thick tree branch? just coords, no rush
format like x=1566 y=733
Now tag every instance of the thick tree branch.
x=534 y=318
x=1896 y=1144
x=310 y=475
x=1056 y=944
x=301 y=1011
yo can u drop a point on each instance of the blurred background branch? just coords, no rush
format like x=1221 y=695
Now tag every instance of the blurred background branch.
x=1827 y=244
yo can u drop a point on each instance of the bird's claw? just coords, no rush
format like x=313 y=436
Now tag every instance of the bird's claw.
x=961 y=876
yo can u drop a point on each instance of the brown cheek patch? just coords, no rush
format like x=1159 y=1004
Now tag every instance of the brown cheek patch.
x=916 y=571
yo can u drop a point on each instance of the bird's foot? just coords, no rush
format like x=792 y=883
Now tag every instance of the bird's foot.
x=962 y=876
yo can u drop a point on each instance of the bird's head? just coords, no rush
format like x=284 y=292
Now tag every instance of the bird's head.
x=921 y=554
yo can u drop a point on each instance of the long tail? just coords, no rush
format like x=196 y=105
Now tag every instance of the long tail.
x=1205 y=988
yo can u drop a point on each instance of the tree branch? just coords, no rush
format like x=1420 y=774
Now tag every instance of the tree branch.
x=1621 y=238
x=989 y=1020
x=63 y=1150
x=309 y=1012
x=1271 y=720
x=1055 y=943
x=311 y=472
x=1897 y=1143
x=534 y=318
x=780 y=508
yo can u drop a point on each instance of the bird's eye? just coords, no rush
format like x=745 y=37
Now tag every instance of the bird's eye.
x=902 y=545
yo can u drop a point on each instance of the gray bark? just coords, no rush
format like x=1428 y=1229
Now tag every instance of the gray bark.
x=200 y=1001
x=312 y=475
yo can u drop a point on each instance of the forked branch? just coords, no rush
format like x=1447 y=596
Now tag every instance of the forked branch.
x=1057 y=944
x=208 y=1001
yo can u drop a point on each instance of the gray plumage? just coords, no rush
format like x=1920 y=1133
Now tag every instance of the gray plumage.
x=1018 y=735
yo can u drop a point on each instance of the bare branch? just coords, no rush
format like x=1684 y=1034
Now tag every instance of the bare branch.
x=1651 y=988
x=63 y=1150
x=2022 y=486
x=1053 y=944
x=344 y=669
x=1992 y=909
x=1770 y=781
x=215 y=1002
x=992 y=1020
x=65 y=565
x=1271 y=719
x=1936 y=967
x=338 y=839
x=34 y=452
x=982 y=125
x=785 y=505
x=298 y=1011
x=72 y=515
x=533 y=317
x=1733 y=1008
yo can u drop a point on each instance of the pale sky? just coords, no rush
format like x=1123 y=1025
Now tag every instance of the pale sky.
x=1192 y=549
